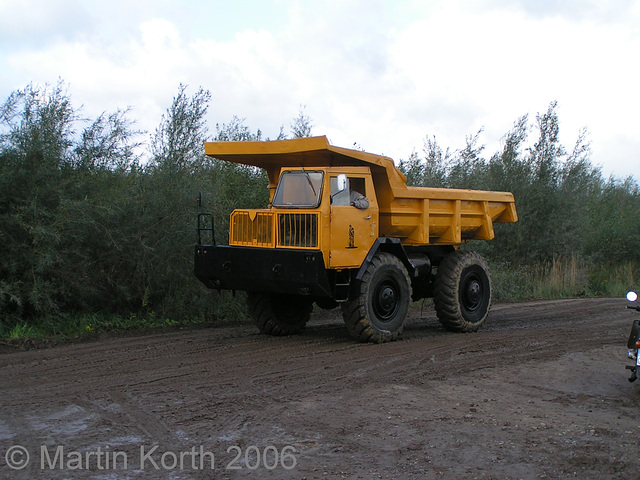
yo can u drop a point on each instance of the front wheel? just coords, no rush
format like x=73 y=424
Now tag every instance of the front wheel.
x=377 y=313
x=462 y=292
x=279 y=314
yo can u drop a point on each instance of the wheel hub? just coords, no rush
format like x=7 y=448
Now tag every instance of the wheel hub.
x=387 y=298
x=473 y=294
x=474 y=291
x=385 y=301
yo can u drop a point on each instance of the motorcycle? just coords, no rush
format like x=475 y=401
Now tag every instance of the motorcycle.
x=634 y=339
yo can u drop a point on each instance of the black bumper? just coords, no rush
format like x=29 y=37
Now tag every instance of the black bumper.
x=297 y=272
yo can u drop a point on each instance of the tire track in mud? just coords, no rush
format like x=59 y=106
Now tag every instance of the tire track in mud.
x=196 y=354
x=398 y=409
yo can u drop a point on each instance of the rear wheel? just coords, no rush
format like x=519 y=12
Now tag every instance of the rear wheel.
x=462 y=292
x=279 y=314
x=378 y=312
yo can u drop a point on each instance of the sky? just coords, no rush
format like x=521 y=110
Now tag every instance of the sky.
x=379 y=74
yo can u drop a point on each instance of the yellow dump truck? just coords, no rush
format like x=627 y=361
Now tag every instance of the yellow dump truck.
x=343 y=229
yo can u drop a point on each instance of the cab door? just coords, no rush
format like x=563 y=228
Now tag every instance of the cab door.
x=353 y=230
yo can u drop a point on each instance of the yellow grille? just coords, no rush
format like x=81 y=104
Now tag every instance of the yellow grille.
x=298 y=230
x=256 y=228
x=252 y=228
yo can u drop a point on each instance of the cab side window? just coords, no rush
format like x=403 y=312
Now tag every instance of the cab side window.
x=355 y=194
x=358 y=185
x=339 y=199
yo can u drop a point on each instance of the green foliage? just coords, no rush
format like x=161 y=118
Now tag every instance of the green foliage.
x=36 y=198
x=430 y=172
x=97 y=234
x=561 y=277
x=87 y=226
x=178 y=142
x=575 y=231
x=236 y=131
x=109 y=143
x=612 y=217
x=564 y=205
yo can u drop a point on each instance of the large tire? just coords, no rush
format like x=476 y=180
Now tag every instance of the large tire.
x=462 y=292
x=278 y=314
x=378 y=312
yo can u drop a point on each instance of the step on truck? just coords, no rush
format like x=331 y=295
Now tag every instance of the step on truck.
x=343 y=229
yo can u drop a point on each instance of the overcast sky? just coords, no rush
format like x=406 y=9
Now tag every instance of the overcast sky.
x=376 y=73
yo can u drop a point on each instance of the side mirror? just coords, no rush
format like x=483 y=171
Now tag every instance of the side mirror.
x=341 y=183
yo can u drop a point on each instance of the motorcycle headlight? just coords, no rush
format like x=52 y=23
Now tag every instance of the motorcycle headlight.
x=632 y=353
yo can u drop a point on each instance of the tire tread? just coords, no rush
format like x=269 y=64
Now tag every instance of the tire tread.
x=354 y=311
x=446 y=291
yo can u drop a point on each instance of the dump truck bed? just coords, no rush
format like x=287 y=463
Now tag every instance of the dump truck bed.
x=416 y=215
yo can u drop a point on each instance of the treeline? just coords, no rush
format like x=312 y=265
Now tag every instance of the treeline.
x=573 y=223
x=91 y=220
x=94 y=221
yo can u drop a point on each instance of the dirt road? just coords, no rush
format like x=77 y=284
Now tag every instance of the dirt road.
x=539 y=392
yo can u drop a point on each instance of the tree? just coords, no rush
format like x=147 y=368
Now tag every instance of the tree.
x=178 y=141
x=613 y=226
x=301 y=126
x=430 y=172
x=467 y=165
x=547 y=153
x=86 y=226
x=108 y=143
x=236 y=131
x=34 y=144
x=436 y=163
x=413 y=169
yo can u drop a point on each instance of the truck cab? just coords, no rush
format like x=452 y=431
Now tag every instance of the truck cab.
x=313 y=209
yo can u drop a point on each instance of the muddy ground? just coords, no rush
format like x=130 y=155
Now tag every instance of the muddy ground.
x=539 y=392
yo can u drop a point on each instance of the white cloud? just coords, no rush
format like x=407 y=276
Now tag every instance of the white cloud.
x=383 y=74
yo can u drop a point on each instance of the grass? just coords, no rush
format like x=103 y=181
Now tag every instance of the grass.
x=79 y=325
x=227 y=309
x=22 y=330
x=560 y=277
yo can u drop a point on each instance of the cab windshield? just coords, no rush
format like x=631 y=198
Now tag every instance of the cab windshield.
x=299 y=189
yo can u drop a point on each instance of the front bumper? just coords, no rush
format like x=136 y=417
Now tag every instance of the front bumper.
x=289 y=271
